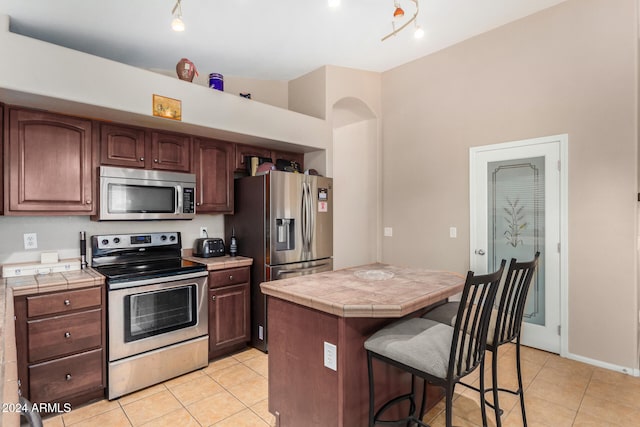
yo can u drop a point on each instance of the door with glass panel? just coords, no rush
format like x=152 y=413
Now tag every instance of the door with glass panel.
x=515 y=212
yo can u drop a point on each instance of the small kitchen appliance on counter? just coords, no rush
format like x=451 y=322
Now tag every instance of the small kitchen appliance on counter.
x=207 y=247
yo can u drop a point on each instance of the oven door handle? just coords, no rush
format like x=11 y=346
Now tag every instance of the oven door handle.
x=157 y=280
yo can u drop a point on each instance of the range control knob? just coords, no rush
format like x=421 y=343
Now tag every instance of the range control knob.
x=163 y=237
x=172 y=238
x=105 y=242
x=116 y=240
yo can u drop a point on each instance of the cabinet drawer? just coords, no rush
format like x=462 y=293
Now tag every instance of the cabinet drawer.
x=64 y=334
x=62 y=302
x=65 y=377
x=229 y=276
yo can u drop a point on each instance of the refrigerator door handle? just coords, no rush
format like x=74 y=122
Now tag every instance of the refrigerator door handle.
x=299 y=270
x=309 y=218
x=303 y=217
x=306 y=217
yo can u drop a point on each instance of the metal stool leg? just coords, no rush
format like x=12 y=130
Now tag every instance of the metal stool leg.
x=520 y=387
x=494 y=386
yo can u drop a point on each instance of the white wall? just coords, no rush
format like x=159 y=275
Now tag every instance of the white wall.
x=572 y=69
x=355 y=211
x=62 y=233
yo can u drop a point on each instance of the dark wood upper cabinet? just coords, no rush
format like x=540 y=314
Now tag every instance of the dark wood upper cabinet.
x=242 y=151
x=213 y=166
x=170 y=152
x=49 y=164
x=122 y=146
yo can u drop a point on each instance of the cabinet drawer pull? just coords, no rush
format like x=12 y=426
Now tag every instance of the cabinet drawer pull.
x=142 y=159
x=230 y=277
x=155 y=160
x=88 y=202
x=67 y=302
x=67 y=334
x=213 y=298
x=67 y=377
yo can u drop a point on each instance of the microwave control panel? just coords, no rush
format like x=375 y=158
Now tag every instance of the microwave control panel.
x=188 y=200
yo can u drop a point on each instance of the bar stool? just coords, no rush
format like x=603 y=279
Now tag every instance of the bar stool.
x=504 y=327
x=438 y=353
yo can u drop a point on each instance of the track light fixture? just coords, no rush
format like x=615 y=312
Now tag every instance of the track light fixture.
x=177 y=24
x=398 y=14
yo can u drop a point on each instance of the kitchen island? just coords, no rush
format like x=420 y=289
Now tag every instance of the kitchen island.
x=318 y=325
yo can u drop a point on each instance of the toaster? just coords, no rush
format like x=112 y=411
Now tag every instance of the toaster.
x=208 y=247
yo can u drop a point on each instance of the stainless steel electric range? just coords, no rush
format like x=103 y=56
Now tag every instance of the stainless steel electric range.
x=157 y=309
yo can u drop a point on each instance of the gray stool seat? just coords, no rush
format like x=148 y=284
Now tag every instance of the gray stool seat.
x=422 y=344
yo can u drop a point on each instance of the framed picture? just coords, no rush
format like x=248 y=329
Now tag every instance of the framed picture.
x=168 y=108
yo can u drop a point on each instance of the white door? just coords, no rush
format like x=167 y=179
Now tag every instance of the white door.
x=517 y=208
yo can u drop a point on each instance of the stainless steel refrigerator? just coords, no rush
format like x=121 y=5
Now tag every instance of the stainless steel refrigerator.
x=284 y=221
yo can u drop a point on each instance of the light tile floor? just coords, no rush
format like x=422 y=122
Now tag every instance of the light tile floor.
x=232 y=392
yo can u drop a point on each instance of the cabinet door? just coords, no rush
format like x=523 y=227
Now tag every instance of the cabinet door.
x=228 y=317
x=243 y=151
x=214 y=176
x=170 y=152
x=59 y=378
x=50 y=164
x=122 y=146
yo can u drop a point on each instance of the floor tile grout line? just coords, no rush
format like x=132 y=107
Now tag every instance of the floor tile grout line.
x=584 y=393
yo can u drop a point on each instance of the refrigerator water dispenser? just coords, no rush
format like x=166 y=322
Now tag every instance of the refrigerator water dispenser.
x=285 y=240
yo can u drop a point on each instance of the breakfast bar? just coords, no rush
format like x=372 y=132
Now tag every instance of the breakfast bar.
x=317 y=328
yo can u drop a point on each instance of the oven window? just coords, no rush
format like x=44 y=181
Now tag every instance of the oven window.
x=141 y=199
x=158 y=312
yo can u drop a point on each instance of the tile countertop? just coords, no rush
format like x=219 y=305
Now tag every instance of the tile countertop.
x=10 y=287
x=219 y=263
x=373 y=290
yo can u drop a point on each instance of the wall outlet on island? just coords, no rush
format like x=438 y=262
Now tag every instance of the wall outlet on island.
x=330 y=356
x=203 y=232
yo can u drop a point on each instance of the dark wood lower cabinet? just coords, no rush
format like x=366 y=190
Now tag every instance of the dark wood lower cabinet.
x=229 y=311
x=54 y=380
x=61 y=346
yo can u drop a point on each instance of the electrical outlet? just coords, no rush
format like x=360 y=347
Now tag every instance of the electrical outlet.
x=30 y=241
x=453 y=232
x=388 y=232
x=330 y=356
x=203 y=232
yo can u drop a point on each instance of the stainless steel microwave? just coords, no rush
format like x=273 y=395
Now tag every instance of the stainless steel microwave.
x=139 y=194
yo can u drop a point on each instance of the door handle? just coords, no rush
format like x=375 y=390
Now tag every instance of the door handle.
x=479 y=252
x=300 y=270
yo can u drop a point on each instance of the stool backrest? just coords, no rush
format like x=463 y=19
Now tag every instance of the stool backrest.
x=472 y=322
x=513 y=299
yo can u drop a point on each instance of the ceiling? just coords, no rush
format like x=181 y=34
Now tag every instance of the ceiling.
x=272 y=40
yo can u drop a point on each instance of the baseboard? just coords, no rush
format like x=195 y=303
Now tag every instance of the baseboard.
x=599 y=363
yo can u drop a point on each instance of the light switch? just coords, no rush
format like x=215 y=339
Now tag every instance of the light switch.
x=388 y=232
x=453 y=232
